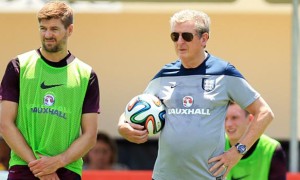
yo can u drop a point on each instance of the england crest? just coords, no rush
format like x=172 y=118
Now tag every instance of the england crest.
x=208 y=84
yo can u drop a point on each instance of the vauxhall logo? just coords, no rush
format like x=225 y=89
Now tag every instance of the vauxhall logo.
x=188 y=102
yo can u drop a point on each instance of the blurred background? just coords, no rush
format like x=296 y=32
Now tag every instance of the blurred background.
x=128 y=41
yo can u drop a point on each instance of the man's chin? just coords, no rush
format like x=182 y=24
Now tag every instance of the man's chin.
x=51 y=50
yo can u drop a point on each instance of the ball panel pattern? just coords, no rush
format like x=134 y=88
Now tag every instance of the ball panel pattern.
x=146 y=110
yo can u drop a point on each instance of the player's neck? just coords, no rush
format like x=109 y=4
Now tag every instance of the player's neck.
x=54 y=56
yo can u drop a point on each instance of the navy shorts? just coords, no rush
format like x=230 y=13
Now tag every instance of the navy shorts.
x=21 y=172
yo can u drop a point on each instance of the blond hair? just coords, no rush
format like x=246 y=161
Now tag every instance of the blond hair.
x=57 y=10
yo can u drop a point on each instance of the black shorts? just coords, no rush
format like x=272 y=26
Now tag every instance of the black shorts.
x=22 y=172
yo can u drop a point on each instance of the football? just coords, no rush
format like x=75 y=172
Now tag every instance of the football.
x=146 y=110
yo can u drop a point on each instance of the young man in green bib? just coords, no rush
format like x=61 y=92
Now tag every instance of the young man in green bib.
x=50 y=104
x=265 y=160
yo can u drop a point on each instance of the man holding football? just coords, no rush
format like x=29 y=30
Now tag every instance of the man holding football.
x=192 y=143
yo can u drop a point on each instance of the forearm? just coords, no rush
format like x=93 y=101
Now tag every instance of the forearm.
x=16 y=142
x=11 y=133
x=78 y=148
x=85 y=142
x=121 y=126
x=261 y=121
x=121 y=120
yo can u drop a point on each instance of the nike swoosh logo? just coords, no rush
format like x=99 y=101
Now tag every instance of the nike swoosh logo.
x=44 y=86
x=172 y=72
x=240 y=178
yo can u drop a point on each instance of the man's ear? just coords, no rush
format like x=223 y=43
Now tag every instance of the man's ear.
x=204 y=39
x=250 y=117
x=70 y=29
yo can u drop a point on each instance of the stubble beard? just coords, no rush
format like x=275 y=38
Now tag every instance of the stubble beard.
x=51 y=49
x=55 y=48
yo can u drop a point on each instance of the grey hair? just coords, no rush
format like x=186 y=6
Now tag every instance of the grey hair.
x=201 y=19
